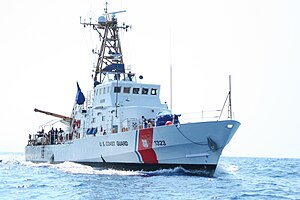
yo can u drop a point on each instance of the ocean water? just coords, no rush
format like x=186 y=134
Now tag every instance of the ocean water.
x=235 y=178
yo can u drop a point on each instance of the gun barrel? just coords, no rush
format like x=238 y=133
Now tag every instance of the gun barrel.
x=54 y=115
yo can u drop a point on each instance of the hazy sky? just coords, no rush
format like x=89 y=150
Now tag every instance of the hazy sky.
x=44 y=51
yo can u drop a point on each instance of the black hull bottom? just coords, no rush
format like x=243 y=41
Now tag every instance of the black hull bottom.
x=203 y=170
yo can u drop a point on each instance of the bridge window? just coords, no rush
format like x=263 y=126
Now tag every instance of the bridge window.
x=103 y=90
x=117 y=89
x=107 y=89
x=126 y=90
x=145 y=91
x=153 y=91
x=135 y=90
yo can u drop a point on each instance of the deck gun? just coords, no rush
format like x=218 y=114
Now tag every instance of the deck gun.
x=64 y=118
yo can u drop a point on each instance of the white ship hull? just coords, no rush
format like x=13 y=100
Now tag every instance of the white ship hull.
x=192 y=146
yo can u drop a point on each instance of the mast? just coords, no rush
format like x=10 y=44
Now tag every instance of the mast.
x=110 y=58
x=171 y=73
x=229 y=95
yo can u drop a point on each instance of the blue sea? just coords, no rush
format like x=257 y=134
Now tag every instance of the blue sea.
x=235 y=178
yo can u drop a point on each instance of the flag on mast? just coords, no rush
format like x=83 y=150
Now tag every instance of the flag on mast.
x=79 y=96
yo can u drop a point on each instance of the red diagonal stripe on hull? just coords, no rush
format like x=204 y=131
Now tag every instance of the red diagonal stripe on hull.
x=145 y=146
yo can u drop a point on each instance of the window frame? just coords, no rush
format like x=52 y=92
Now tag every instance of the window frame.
x=154 y=91
x=145 y=91
x=126 y=90
x=117 y=89
x=135 y=90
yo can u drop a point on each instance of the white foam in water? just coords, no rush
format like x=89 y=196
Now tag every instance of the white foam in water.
x=75 y=168
x=119 y=172
x=161 y=172
x=31 y=164
x=12 y=158
x=175 y=171
x=168 y=171
x=19 y=159
x=224 y=168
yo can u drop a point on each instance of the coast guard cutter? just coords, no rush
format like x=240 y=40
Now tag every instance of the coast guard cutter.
x=122 y=123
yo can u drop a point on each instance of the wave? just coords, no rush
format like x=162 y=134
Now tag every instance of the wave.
x=75 y=168
x=224 y=168
x=177 y=171
x=12 y=158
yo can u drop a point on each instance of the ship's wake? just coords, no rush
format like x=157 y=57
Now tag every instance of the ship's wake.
x=75 y=168
x=178 y=171
x=11 y=158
